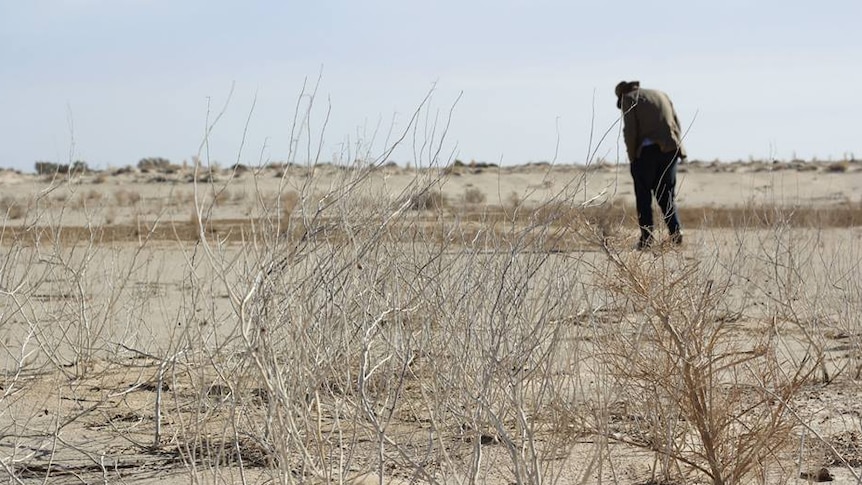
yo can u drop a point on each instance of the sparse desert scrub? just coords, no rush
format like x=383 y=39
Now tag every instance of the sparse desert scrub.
x=63 y=308
x=409 y=357
x=360 y=336
x=344 y=332
x=367 y=319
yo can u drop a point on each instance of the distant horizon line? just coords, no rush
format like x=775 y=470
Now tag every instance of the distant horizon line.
x=156 y=164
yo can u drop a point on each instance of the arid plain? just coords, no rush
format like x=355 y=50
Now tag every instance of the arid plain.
x=463 y=324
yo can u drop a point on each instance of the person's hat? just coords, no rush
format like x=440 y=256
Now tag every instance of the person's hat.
x=625 y=87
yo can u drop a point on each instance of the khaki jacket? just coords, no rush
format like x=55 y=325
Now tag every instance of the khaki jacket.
x=649 y=114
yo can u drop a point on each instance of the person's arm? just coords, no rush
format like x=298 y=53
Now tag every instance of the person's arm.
x=682 y=154
x=630 y=128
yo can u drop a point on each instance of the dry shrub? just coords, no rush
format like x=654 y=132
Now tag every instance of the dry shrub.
x=838 y=167
x=696 y=393
x=222 y=197
x=156 y=164
x=60 y=198
x=609 y=218
x=455 y=170
x=196 y=220
x=238 y=169
x=111 y=215
x=239 y=196
x=606 y=218
x=204 y=176
x=278 y=207
x=182 y=198
x=126 y=197
x=288 y=202
x=806 y=167
x=554 y=212
x=90 y=197
x=122 y=171
x=474 y=196
x=513 y=200
x=426 y=200
x=12 y=208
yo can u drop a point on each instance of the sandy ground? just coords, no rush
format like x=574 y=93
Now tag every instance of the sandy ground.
x=63 y=420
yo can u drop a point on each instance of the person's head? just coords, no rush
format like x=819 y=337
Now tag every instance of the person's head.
x=623 y=88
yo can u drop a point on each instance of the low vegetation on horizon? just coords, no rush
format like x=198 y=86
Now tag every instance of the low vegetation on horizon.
x=160 y=165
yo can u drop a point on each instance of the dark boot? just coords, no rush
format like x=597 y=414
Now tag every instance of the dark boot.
x=645 y=240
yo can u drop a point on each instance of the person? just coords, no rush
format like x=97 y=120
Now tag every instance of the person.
x=654 y=145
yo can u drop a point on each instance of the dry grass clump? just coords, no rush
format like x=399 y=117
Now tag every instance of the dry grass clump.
x=181 y=198
x=805 y=167
x=221 y=197
x=12 y=208
x=127 y=197
x=513 y=201
x=288 y=201
x=474 y=196
x=239 y=196
x=838 y=167
x=88 y=199
x=428 y=199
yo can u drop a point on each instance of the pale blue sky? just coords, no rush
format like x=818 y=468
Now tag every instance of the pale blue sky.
x=126 y=79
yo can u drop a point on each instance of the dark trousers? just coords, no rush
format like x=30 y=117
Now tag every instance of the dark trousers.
x=654 y=175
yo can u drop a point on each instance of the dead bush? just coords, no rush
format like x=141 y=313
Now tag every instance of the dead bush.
x=222 y=197
x=838 y=167
x=474 y=196
x=427 y=200
x=12 y=208
x=513 y=200
x=126 y=197
x=156 y=164
x=288 y=202
x=694 y=394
